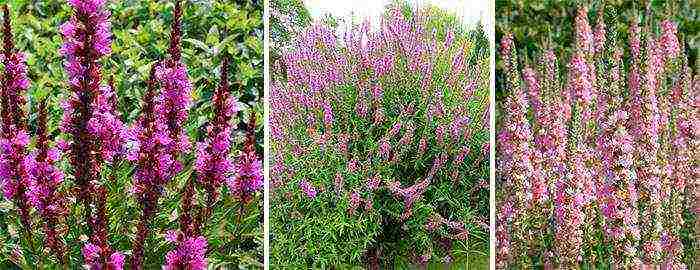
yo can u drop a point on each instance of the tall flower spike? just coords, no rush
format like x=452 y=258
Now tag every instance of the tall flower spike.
x=45 y=180
x=14 y=138
x=15 y=80
x=212 y=162
x=175 y=95
x=249 y=174
x=584 y=35
x=86 y=37
x=176 y=34
x=106 y=126
x=669 y=40
x=153 y=164
x=213 y=165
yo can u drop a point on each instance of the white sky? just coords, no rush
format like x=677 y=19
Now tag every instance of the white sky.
x=471 y=11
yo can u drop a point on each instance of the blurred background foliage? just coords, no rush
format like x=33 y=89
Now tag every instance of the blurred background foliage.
x=141 y=31
x=288 y=18
x=539 y=25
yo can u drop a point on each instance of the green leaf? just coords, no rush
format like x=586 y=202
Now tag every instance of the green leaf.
x=199 y=44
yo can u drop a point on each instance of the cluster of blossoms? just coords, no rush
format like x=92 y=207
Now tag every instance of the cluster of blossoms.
x=175 y=92
x=190 y=253
x=87 y=38
x=375 y=113
x=158 y=138
x=45 y=180
x=248 y=167
x=604 y=165
x=14 y=140
x=213 y=164
x=96 y=132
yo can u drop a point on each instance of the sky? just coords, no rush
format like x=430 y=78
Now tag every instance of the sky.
x=471 y=11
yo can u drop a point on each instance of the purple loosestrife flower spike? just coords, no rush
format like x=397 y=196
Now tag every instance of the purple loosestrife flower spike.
x=45 y=180
x=213 y=165
x=599 y=34
x=15 y=81
x=585 y=41
x=413 y=193
x=354 y=202
x=648 y=169
x=14 y=138
x=249 y=174
x=190 y=253
x=669 y=39
x=86 y=37
x=521 y=174
x=175 y=95
x=149 y=140
x=308 y=189
x=328 y=116
x=106 y=126
x=94 y=260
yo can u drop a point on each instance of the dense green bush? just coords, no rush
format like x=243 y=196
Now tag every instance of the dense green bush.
x=380 y=144
x=141 y=30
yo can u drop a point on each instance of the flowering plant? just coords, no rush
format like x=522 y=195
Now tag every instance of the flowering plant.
x=594 y=167
x=97 y=164
x=379 y=142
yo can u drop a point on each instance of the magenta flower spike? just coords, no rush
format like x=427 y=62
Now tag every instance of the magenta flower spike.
x=154 y=164
x=585 y=40
x=158 y=137
x=87 y=38
x=45 y=180
x=213 y=165
x=308 y=189
x=175 y=95
x=14 y=178
x=249 y=174
x=190 y=252
x=105 y=125
x=669 y=39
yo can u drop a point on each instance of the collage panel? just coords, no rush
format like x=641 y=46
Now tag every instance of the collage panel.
x=131 y=134
x=349 y=134
x=379 y=136
x=596 y=135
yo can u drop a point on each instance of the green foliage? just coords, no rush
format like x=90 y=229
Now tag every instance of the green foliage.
x=141 y=31
x=288 y=19
x=320 y=232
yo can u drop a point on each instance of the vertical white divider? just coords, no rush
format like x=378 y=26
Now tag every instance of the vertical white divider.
x=266 y=128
